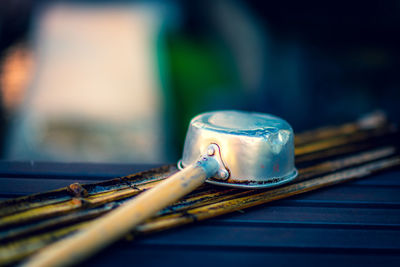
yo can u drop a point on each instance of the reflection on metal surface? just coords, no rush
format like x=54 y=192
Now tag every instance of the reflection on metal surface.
x=257 y=149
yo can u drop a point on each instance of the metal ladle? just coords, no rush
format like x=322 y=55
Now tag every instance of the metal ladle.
x=230 y=148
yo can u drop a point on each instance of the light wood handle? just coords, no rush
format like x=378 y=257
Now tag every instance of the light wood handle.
x=123 y=219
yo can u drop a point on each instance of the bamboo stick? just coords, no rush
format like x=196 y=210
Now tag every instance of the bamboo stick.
x=102 y=232
x=371 y=121
x=307 y=152
x=334 y=142
x=228 y=206
x=18 y=250
x=75 y=204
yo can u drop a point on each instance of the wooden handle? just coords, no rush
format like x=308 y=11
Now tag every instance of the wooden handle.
x=120 y=221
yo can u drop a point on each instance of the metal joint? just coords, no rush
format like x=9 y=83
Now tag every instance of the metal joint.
x=212 y=152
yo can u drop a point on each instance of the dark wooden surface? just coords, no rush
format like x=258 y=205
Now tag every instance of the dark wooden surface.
x=354 y=224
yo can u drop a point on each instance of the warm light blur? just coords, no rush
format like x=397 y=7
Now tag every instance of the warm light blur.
x=16 y=75
x=96 y=94
x=119 y=81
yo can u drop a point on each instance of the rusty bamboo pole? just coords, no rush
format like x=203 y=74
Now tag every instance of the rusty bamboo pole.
x=306 y=151
x=369 y=122
x=134 y=184
x=102 y=232
x=228 y=206
x=322 y=143
x=93 y=201
x=17 y=250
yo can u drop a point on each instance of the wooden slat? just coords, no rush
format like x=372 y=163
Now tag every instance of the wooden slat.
x=55 y=170
x=350 y=194
x=375 y=198
x=26 y=186
x=277 y=236
x=199 y=256
x=283 y=213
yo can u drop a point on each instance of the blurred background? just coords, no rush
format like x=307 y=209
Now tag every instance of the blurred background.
x=118 y=81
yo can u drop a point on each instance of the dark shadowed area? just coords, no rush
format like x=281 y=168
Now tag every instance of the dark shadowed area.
x=118 y=81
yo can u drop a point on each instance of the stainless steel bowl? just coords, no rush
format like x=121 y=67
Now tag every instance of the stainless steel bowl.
x=257 y=149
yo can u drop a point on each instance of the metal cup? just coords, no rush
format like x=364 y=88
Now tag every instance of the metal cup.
x=256 y=149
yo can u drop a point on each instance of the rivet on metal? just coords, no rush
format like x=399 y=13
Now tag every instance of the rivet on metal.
x=211 y=151
x=223 y=174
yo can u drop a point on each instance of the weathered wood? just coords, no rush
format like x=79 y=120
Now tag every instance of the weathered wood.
x=103 y=231
x=369 y=122
x=242 y=199
x=30 y=223
x=246 y=201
